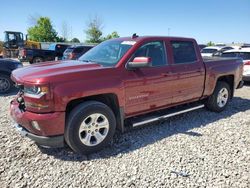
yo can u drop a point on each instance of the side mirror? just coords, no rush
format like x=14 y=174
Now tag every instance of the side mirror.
x=140 y=62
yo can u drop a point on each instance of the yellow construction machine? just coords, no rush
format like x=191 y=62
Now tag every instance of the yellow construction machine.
x=14 y=40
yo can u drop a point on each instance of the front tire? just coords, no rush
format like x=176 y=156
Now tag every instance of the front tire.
x=218 y=101
x=6 y=85
x=90 y=127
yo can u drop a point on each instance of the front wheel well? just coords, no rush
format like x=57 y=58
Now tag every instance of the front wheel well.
x=229 y=79
x=110 y=99
x=5 y=73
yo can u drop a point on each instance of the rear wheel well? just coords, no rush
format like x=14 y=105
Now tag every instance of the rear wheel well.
x=229 y=79
x=109 y=99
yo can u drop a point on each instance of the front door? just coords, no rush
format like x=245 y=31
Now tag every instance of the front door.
x=149 y=88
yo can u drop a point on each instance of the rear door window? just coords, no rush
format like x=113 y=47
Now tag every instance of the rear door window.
x=183 y=52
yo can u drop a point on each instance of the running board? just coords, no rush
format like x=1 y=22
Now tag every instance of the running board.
x=166 y=116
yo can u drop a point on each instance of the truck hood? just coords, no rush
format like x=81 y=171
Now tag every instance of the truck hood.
x=42 y=72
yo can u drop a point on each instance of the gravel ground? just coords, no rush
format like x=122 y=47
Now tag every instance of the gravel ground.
x=197 y=149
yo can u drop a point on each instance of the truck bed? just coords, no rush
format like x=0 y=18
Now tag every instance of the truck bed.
x=219 y=59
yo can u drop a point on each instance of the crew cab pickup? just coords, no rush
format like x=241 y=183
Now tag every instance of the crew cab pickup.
x=40 y=55
x=82 y=103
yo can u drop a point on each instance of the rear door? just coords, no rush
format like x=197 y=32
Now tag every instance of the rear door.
x=188 y=71
x=149 y=88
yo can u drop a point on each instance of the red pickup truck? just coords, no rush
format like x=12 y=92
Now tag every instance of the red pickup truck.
x=82 y=103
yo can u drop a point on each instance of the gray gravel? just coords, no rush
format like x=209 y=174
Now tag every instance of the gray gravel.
x=197 y=149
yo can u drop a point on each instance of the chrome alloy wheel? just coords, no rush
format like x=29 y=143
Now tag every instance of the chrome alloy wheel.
x=222 y=97
x=94 y=129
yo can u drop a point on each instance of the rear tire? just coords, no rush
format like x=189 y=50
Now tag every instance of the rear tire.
x=90 y=127
x=37 y=60
x=218 y=101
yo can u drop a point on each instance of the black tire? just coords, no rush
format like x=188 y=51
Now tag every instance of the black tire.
x=37 y=60
x=212 y=102
x=6 y=85
x=78 y=116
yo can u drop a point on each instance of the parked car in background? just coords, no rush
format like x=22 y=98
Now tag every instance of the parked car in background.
x=6 y=67
x=83 y=102
x=214 y=50
x=245 y=46
x=201 y=46
x=40 y=55
x=209 y=51
x=243 y=53
x=74 y=52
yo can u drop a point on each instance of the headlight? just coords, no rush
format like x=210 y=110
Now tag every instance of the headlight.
x=35 y=91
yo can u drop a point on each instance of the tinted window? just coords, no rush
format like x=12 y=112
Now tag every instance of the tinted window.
x=184 y=52
x=78 y=50
x=154 y=50
x=209 y=51
x=226 y=48
x=245 y=55
x=229 y=54
x=61 y=48
x=83 y=49
x=68 y=50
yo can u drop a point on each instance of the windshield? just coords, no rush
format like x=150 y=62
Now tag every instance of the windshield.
x=208 y=51
x=107 y=53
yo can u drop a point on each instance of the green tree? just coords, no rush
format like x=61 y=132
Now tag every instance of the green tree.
x=60 y=39
x=93 y=32
x=43 y=31
x=210 y=43
x=75 y=40
x=114 y=34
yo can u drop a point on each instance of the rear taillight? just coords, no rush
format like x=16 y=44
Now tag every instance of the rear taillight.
x=247 y=63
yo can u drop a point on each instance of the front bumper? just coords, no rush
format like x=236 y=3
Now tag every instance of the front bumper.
x=50 y=129
x=53 y=141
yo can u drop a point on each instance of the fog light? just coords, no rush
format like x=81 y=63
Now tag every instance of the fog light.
x=35 y=125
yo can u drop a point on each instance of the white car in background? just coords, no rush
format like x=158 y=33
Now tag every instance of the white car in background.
x=244 y=53
x=214 y=50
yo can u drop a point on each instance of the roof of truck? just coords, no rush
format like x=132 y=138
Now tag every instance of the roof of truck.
x=138 y=38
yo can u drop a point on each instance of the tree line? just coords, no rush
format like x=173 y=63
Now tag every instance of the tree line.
x=43 y=31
